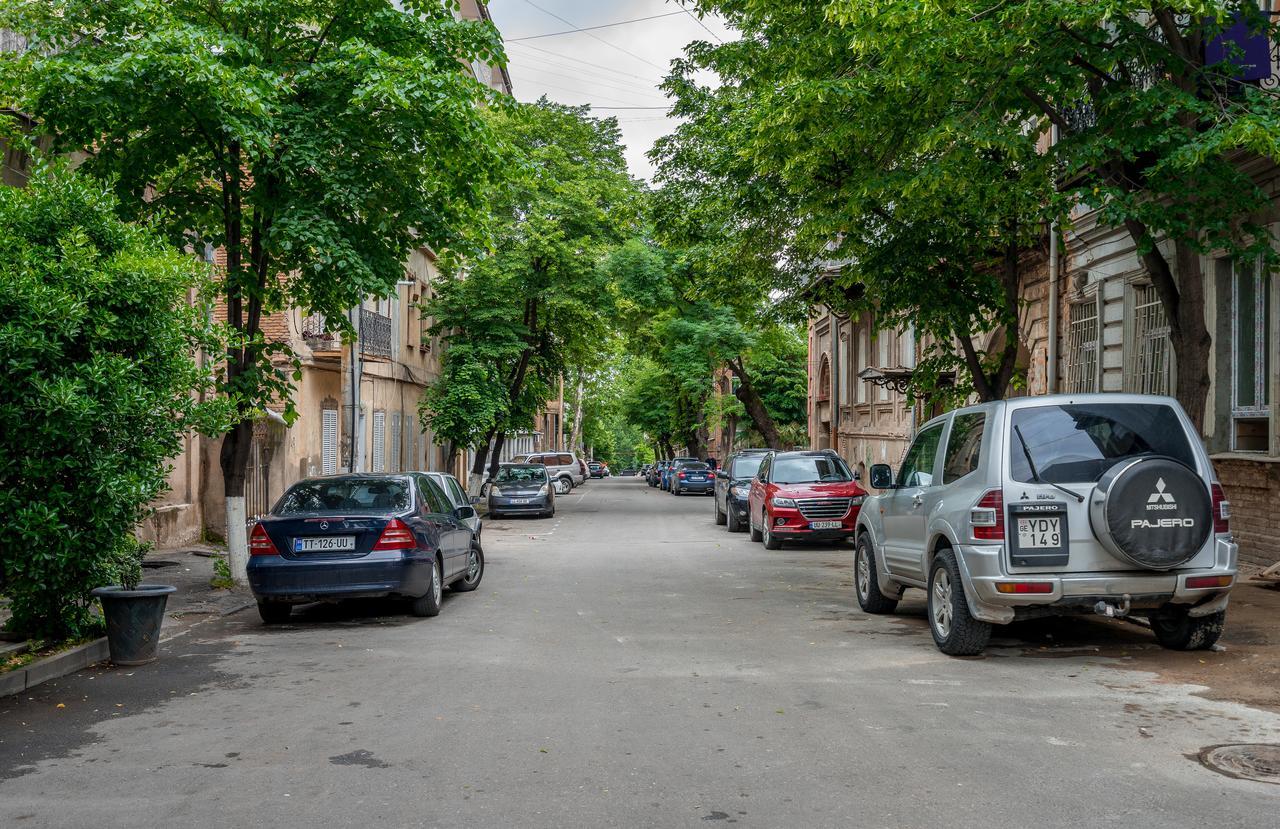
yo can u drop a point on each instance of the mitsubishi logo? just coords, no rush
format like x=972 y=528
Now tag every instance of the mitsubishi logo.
x=1161 y=499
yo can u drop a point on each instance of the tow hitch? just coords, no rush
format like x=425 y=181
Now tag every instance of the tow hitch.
x=1111 y=611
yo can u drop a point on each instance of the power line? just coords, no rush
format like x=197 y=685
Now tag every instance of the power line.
x=586 y=62
x=537 y=63
x=698 y=20
x=575 y=30
x=651 y=92
x=595 y=36
x=602 y=96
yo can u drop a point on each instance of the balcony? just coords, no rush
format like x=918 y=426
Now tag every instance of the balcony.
x=322 y=342
x=375 y=334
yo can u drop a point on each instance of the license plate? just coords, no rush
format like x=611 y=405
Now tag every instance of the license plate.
x=324 y=544
x=520 y=500
x=697 y=478
x=825 y=525
x=1039 y=532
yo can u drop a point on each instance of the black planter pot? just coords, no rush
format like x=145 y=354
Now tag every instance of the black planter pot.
x=133 y=621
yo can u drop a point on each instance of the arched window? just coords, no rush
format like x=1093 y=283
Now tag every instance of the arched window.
x=823 y=391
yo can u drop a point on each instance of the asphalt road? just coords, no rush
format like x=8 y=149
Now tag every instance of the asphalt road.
x=627 y=664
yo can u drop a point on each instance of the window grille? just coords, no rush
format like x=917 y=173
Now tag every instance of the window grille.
x=1251 y=333
x=379 y=442
x=329 y=441
x=1082 y=348
x=1149 y=370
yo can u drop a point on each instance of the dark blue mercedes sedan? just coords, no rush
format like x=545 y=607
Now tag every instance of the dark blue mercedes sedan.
x=362 y=536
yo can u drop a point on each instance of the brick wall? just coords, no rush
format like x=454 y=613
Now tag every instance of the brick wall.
x=1253 y=488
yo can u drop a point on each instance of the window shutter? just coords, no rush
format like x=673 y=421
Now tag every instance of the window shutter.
x=379 y=441
x=393 y=459
x=329 y=442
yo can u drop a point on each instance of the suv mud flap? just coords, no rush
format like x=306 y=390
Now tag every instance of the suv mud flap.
x=1211 y=605
x=995 y=614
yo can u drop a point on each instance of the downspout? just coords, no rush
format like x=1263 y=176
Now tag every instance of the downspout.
x=1052 y=357
x=833 y=325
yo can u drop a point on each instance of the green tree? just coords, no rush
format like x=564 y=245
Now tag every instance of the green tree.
x=97 y=386
x=548 y=299
x=316 y=142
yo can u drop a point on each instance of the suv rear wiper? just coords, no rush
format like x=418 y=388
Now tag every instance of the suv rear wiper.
x=1035 y=476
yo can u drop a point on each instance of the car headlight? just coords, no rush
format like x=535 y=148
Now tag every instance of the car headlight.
x=742 y=491
x=545 y=489
x=494 y=491
x=788 y=503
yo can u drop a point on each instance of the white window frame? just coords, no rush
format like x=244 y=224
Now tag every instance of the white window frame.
x=1262 y=347
x=379 y=461
x=1150 y=367
x=328 y=441
x=863 y=348
x=1084 y=374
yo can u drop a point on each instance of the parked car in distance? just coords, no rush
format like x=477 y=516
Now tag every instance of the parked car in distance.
x=564 y=469
x=628 y=472
x=803 y=495
x=693 y=477
x=670 y=471
x=362 y=536
x=654 y=478
x=457 y=495
x=733 y=485
x=597 y=469
x=1064 y=504
x=522 y=489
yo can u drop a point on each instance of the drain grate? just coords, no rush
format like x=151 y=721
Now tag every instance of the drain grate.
x=1245 y=761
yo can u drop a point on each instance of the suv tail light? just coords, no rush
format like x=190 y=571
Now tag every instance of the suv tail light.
x=987 y=516
x=260 y=543
x=1221 y=510
x=396 y=536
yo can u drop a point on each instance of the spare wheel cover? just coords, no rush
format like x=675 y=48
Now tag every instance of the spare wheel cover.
x=1154 y=511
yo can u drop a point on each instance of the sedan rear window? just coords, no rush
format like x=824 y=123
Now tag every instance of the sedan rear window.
x=345 y=496
x=697 y=467
x=521 y=474
x=1078 y=443
x=809 y=469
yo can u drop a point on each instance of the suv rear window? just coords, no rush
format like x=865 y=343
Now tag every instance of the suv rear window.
x=564 y=460
x=1077 y=443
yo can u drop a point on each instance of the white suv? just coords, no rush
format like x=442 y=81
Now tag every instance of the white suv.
x=563 y=468
x=1100 y=503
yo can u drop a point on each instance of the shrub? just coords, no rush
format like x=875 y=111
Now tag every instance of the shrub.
x=97 y=381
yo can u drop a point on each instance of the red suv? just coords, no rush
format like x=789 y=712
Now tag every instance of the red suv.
x=803 y=495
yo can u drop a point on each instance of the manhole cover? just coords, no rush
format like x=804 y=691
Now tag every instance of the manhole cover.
x=1246 y=761
x=157 y=563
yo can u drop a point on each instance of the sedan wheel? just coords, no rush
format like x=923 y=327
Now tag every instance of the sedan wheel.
x=429 y=605
x=474 y=572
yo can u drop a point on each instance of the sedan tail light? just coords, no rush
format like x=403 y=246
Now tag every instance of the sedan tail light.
x=1221 y=510
x=260 y=544
x=681 y=475
x=987 y=516
x=396 y=536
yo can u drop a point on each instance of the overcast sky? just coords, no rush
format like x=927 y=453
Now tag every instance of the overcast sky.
x=616 y=69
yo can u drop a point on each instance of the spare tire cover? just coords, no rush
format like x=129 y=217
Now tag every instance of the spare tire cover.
x=1155 y=512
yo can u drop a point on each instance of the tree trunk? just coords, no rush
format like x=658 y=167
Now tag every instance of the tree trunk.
x=1189 y=338
x=496 y=455
x=475 y=480
x=755 y=407
x=576 y=435
x=233 y=459
x=995 y=385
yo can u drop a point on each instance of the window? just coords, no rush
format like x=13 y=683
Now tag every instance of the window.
x=379 y=441
x=809 y=469
x=842 y=376
x=433 y=497
x=328 y=441
x=963 y=446
x=521 y=474
x=1078 y=443
x=1149 y=365
x=862 y=363
x=907 y=345
x=917 y=466
x=1082 y=347
x=882 y=342
x=746 y=466
x=344 y=495
x=1251 y=340
x=393 y=458
x=564 y=460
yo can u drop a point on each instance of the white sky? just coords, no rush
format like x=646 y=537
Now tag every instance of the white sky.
x=579 y=69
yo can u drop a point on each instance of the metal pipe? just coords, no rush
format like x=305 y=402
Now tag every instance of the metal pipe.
x=1052 y=357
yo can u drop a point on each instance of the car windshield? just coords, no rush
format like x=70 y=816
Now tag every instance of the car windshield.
x=1078 y=443
x=747 y=466
x=694 y=467
x=345 y=495
x=810 y=469
x=522 y=475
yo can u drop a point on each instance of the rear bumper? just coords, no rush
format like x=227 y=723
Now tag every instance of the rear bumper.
x=697 y=486
x=1078 y=592
x=377 y=574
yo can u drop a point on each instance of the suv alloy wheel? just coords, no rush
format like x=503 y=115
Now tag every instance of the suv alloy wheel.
x=865 y=582
x=954 y=629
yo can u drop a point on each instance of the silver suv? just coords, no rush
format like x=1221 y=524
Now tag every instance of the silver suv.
x=563 y=468
x=1099 y=503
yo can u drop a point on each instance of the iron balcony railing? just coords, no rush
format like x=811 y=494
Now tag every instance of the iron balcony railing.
x=375 y=334
x=316 y=334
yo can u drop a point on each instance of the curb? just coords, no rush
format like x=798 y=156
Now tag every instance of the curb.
x=53 y=667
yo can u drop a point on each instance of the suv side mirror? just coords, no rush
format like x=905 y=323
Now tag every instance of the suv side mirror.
x=881 y=476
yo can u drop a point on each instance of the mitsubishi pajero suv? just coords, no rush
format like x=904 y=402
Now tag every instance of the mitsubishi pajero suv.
x=1100 y=503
